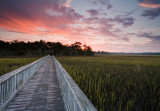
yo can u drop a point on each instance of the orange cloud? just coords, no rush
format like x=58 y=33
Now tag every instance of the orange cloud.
x=149 y=5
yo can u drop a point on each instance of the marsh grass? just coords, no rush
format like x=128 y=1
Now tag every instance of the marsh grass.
x=9 y=64
x=117 y=83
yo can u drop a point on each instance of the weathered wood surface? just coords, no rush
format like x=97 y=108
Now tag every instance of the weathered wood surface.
x=41 y=93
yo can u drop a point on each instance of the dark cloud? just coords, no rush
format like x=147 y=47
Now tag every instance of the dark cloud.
x=151 y=13
x=93 y=12
x=117 y=30
x=125 y=39
x=96 y=12
x=126 y=21
x=91 y=20
x=105 y=3
x=109 y=6
x=153 y=38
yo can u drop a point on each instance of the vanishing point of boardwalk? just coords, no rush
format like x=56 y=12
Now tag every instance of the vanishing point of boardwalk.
x=41 y=93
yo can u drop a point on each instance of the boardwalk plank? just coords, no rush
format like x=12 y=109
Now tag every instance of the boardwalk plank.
x=41 y=93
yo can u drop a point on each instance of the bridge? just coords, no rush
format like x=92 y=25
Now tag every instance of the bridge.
x=43 y=85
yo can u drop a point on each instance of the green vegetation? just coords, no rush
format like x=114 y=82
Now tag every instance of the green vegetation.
x=9 y=64
x=117 y=83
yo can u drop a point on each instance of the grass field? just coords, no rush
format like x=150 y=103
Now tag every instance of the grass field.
x=9 y=64
x=117 y=83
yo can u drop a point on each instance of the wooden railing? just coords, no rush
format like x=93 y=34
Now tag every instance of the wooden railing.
x=13 y=81
x=74 y=98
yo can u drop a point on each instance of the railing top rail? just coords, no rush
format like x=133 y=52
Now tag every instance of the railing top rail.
x=81 y=98
x=14 y=72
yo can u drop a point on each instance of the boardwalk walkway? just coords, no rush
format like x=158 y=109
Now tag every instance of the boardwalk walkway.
x=41 y=93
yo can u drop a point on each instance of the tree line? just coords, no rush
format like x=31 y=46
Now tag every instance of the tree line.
x=40 y=48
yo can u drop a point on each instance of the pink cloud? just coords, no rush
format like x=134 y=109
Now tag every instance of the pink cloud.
x=26 y=15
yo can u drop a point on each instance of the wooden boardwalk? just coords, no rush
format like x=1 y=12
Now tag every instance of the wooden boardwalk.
x=41 y=93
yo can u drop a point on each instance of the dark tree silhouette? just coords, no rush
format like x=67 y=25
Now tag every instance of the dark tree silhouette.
x=40 y=48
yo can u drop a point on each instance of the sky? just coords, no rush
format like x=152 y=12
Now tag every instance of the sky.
x=105 y=25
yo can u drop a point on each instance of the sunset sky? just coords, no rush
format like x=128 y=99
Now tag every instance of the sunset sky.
x=105 y=25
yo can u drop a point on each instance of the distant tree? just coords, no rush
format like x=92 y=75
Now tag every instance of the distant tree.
x=88 y=50
x=41 y=47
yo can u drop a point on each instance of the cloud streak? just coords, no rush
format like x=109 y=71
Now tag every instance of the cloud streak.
x=153 y=38
x=151 y=13
x=149 y=3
